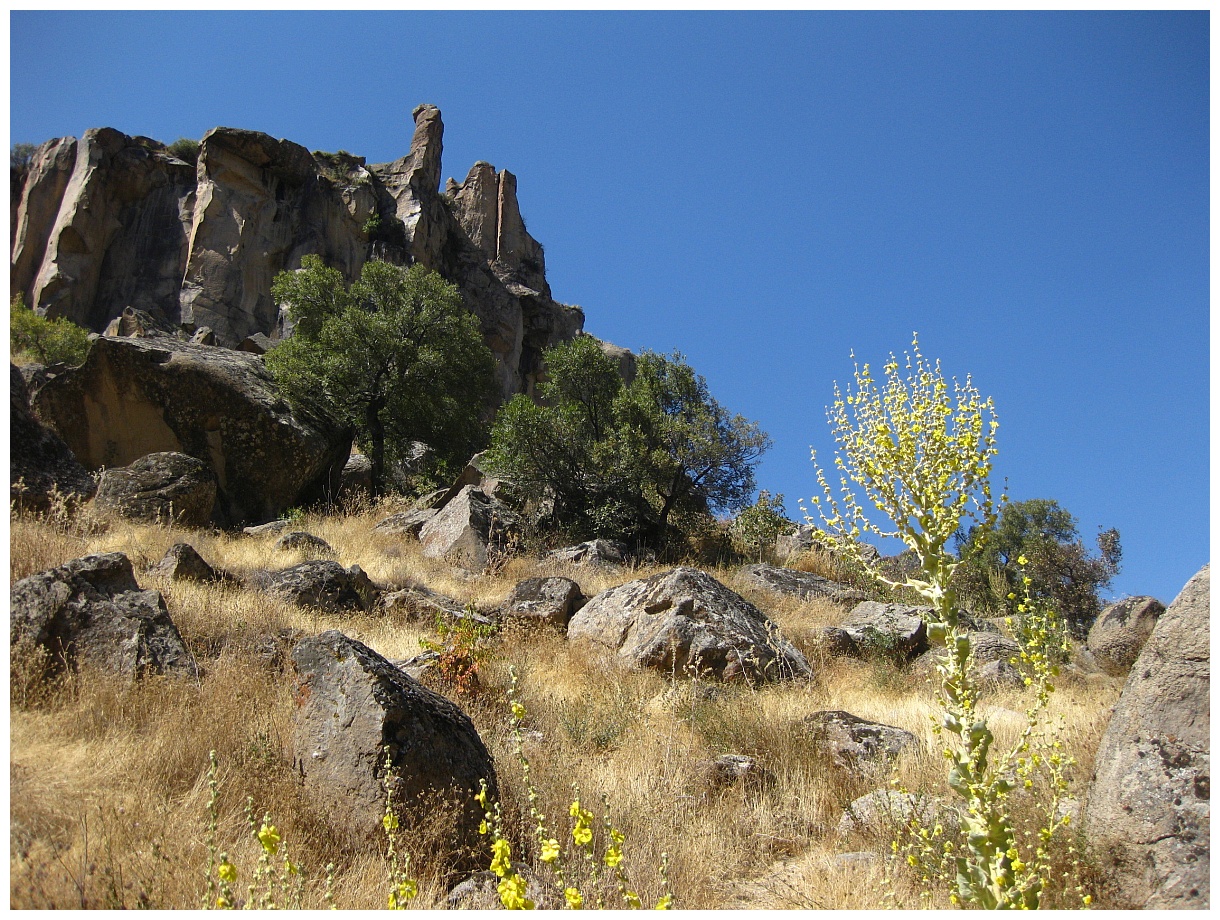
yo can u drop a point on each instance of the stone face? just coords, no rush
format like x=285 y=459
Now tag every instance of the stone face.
x=684 y=621
x=461 y=532
x=804 y=585
x=321 y=583
x=546 y=600
x=1148 y=816
x=40 y=463
x=351 y=704
x=182 y=562
x=159 y=488
x=1119 y=633
x=887 y=629
x=134 y=397
x=357 y=479
x=91 y=611
x=119 y=234
x=849 y=740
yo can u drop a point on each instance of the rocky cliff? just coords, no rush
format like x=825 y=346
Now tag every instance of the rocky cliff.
x=110 y=221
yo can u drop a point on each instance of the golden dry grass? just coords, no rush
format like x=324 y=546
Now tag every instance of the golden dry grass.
x=108 y=781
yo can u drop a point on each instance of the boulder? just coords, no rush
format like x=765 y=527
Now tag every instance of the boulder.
x=804 y=585
x=406 y=523
x=357 y=478
x=684 y=621
x=204 y=335
x=887 y=630
x=257 y=344
x=880 y=813
x=1148 y=815
x=134 y=323
x=91 y=612
x=268 y=529
x=298 y=541
x=420 y=603
x=481 y=892
x=592 y=552
x=41 y=465
x=134 y=397
x=731 y=770
x=182 y=562
x=990 y=653
x=463 y=530
x=159 y=488
x=834 y=642
x=352 y=704
x=1119 y=633
x=849 y=740
x=543 y=600
x=323 y=584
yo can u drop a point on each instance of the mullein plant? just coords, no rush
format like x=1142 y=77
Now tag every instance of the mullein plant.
x=921 y=451
x=573 y=865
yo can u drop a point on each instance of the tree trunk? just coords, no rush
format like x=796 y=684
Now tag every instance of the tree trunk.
x=376 y=430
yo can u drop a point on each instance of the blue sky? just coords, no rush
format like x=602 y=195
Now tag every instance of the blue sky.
x=768 y=192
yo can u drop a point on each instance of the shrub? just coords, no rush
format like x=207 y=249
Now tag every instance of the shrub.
x=756 y=528
x=185 y=149
x=922 y=454
x=34 y=338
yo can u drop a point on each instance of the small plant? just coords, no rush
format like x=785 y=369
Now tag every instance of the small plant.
x=460 y=648
x=34 y=338
x=372 y=227
x=757 y=527
x=403 y=888
x=186 y=149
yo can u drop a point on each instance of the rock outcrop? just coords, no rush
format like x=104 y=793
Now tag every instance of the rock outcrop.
x=137 y=396
x=112 y=222
x=465 y=528
x=160 y=488
x=1148 y=817
x=1118 y=635
x=322 y=584
x=804 y=585
x=685 y=622
x=543 y=600
x=40 y=463
x=352 y=705
x=91 y=612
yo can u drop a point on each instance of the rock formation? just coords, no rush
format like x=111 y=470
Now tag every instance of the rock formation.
x=112 y=222
x=40 y=463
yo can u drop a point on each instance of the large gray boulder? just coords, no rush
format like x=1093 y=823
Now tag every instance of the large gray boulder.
x=1119 y=633
x=592 y=552
x=91 y=612
x=850 y=741
x=351 y=705
x=1148 y=817
x=888 y=630
x=41 y=465
x=685 y=622
x=322 y=584
x=464 y=529
x=882 y=813
x=552 y=601
x=134 y=397
x=804 y=585
x=160 y=488
x=182 y=562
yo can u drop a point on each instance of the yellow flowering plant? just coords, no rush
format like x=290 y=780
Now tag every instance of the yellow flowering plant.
x=920 y=451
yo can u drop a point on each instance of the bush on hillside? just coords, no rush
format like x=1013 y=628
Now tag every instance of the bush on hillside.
x=36 y=339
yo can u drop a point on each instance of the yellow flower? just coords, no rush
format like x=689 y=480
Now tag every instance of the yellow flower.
x=512 y=894
x=575 y=901
x=614 y=856
x=582 y=834
x=482 y=827
x=500 y=862
x=550 y=851
x=389 y=821
x=632 y=899
x=1087 y=899
x=574 y=811
x=227 y=872
x=401 y=893
x=222 y=903
x=291 y=868
x=666 y=901
x=518 y=711
x=481 y=798
x=269 y=837
x=1021 y=560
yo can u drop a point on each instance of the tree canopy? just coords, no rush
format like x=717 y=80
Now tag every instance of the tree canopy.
x=624 y=460
x=396 y=355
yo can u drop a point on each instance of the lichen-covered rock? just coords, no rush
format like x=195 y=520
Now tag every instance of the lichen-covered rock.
x=298 y=541
x=1148 y=816
x=544 y=600
x=731 y=771
x=1119 y=633
x=91 y=612
x=463 y=530
x=182 y=562
x=592 y=552
x=849 y=740
x=160 y=488
x=351 y=704
x=134 y=397
x=685 y=622
x=879 y=814
x=891 y=630
x=321 y=583
x=406 y=523
x=40 y=463
x=804 y=585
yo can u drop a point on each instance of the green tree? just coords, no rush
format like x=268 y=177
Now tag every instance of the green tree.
x=621 y=460
x=34 y=338
x=396 y=355
x=1061 y=570
x=756 y=528
x=921 y=452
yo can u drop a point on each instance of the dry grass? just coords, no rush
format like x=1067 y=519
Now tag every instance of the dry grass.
x=108 y=781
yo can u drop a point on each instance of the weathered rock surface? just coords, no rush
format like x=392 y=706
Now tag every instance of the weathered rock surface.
x=271 y=527
x=731 y=770
x=887 y=629
x=406 y=523
x=684 y=621
x=299 y=541
x=879 y=813
x=133 y=323
x=351 y=704
x=849 y=740
x=1148 y=816
x=357 y=478
x=804 y=585
x=592 y=552
x=91 y=612
x=182 y=562
x=546 y=600
x=134 y=397
x=1119 y=633
x=159 y=488
x=320 y=583
x=420 y=603
x=990 y=653
x=40 y=463
x=463 y=530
